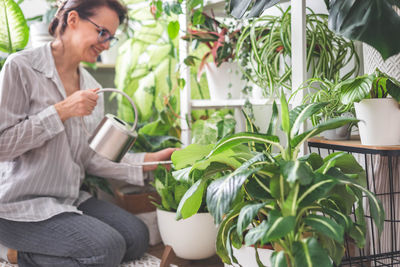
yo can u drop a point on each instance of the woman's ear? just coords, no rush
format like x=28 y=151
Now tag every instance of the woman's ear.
x=73 y=19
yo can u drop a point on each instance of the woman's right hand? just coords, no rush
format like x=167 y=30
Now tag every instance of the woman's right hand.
x=81 y=103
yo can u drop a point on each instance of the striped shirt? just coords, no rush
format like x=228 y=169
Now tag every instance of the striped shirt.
x=42 y=160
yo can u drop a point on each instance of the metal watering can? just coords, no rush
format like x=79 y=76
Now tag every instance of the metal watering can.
x=113 y=137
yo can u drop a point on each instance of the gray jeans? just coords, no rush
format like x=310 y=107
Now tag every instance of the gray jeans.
x=105 y=236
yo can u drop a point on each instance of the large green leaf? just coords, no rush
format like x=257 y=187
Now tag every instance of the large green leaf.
x=354 y=90
x=325 y=226
x=246 y=216
x=299 y=114
x=309 y=253
x=239 y=7
x=191 y=201
x=294 y=171
x=272 y=126
x=374 y=22
x=278 y=259
x=14 y=31
x=222 y=192
x=189 y=155
x=319 y=189
x=239 y=138
x=329 y=125
x=285 y=116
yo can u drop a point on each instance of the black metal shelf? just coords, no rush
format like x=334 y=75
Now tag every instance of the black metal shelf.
x=382 y=165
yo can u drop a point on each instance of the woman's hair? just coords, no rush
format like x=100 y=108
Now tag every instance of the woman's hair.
x=85 y=9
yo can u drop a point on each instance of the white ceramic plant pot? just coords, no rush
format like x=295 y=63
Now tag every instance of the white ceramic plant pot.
x=193 y=238
x=246 y=256
x=379 y=121
x=224 y=82
x=39 y=34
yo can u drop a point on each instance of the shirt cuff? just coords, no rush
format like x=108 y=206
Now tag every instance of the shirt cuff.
x=51 y=121
x=136 y=175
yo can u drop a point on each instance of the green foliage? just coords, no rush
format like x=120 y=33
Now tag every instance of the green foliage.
x=212 y=129
x=14 y=31
x=301 y=204
x=267 y=62
x=324 y=91
x=376 y=85
x=93 y=184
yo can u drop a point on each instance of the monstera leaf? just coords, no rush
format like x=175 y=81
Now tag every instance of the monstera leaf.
x=374 y=22
x=14 y=32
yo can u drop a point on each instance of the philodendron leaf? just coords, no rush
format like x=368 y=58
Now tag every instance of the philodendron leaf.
x=309 y=253
x=294 y=171
x=189 y=155
x=182 y=175
x=14 y=31
x=374 y=22
x=278 y=259
x=325 y=226
x=285 y=118
x=239 y=138
x=173 y=29
x=191 y=201
x=356 y=89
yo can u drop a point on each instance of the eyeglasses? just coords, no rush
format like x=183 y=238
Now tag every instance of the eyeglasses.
x=104 y=35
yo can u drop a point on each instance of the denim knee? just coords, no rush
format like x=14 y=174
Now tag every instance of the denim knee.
x=138 y=242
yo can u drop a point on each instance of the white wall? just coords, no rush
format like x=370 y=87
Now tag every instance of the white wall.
x=32 y=8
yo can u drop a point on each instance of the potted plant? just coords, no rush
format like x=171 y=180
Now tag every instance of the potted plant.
x=322 y=90
x=369 y=93
x=193 y=238
x=220 y=40
x=300 y=205
x=267 y=62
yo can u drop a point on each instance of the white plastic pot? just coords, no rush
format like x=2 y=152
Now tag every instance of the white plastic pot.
x=379 y=121
x=224 y=82
x=246 y=256
x=341 y=133
x=193 y=238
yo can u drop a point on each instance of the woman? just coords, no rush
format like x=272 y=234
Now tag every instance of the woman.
x=44 y=152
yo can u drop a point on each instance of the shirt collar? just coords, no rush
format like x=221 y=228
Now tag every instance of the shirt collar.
x=43 y=60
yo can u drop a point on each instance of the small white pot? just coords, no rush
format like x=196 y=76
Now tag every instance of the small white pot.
x=193 y=238
x=246 y=256
x=224 y=82
x=341 y=133
x=379 y=121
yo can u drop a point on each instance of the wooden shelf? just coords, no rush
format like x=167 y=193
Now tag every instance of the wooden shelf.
x=228 y=103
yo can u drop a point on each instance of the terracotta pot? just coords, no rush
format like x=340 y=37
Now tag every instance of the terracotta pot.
x=136 y=199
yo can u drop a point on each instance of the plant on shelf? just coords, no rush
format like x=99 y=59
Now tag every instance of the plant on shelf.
x=373 y=22
x=14 y=31
x=322 y=90
x=268 y=62
x=302 y=206
x=220 y=38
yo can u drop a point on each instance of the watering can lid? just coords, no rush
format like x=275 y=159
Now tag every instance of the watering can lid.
x=120 y=124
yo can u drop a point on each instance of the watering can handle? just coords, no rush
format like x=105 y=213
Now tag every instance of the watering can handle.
x=119 y=92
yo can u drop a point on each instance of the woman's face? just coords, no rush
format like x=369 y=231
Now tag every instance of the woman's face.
x=86 y=33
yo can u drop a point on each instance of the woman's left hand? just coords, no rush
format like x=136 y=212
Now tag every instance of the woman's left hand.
x=161 y=155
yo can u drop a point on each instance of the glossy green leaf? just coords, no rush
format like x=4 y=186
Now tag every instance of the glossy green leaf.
x=300 y=114
x=191 y=201
x=285 y=119
x=309 y=253
x=314 y=159
x=246 y=216
x=325 y=226
x=374 y=22
x=278 y=259
x=239 y=138
x=356 y=89
x=329 y=125
x=294 y=171
x=182 y=175
x=222 y=192
x=14 y=31
x=320 y=187
x=335 y=250
x=189 y=155
x=272 y=126
x=239 y=7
